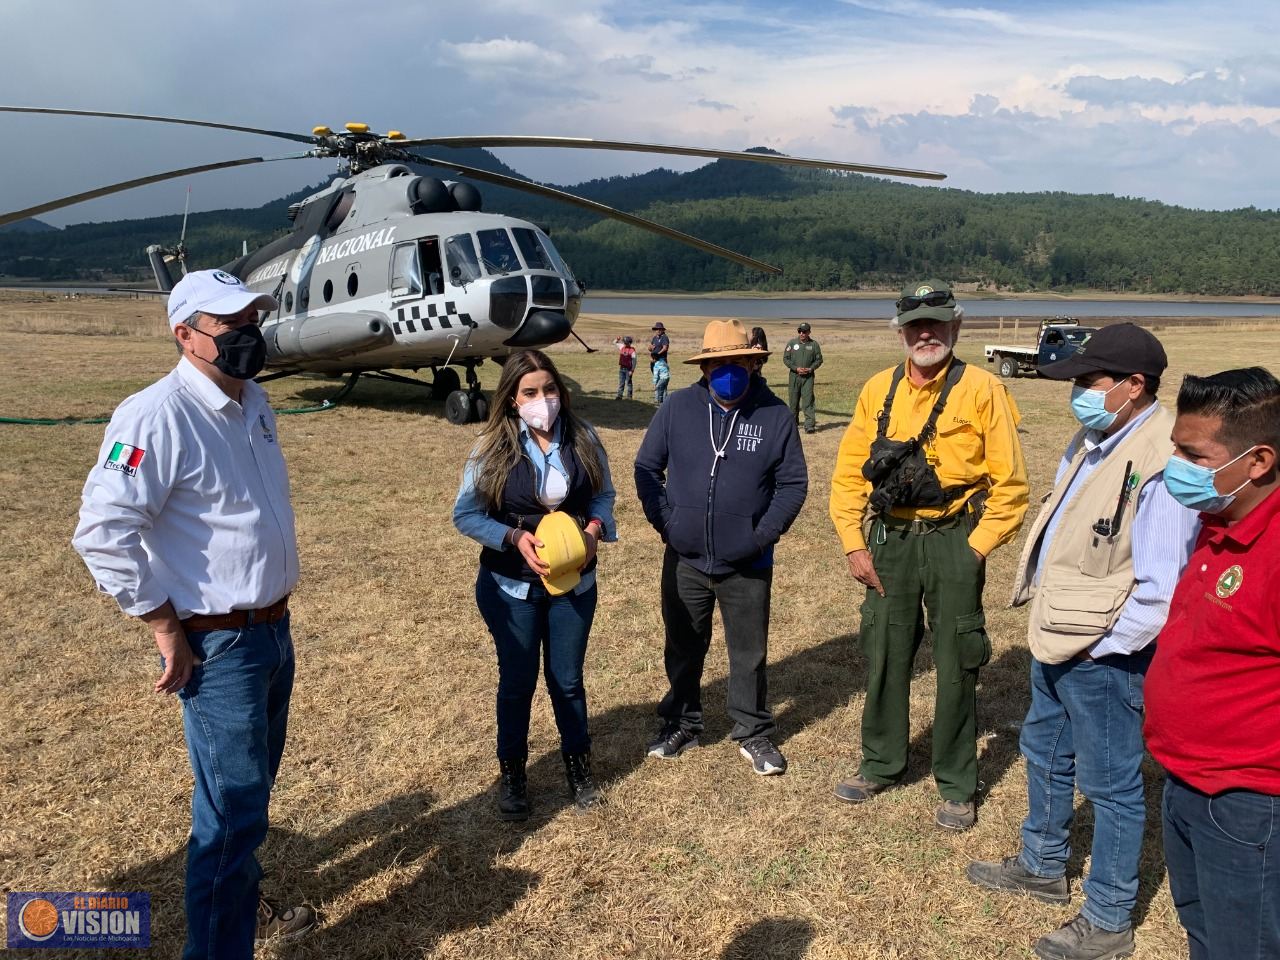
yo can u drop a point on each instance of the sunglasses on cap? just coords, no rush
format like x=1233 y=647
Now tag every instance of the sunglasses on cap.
x=936 y=299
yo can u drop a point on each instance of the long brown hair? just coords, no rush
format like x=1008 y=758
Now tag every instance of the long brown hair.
x=499 y=450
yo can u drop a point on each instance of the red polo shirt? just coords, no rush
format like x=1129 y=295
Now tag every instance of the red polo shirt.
x=1213 y=690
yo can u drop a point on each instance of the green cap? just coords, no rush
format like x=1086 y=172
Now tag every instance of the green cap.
x=945 y=312
x=803 y=328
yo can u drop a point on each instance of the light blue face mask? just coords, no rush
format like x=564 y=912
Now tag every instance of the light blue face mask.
x=1090 y=407
x=1192 y=485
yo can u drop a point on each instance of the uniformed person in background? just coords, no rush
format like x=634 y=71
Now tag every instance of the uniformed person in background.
x=921 y=530
x=186 y=522
x=802 y=357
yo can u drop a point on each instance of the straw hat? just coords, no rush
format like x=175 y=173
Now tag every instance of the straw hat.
x=563 y=549
x=726 y=338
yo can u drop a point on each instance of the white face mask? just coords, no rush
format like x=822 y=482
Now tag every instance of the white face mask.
x=541 y=413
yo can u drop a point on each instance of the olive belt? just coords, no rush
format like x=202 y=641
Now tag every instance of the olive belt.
x=237 y=619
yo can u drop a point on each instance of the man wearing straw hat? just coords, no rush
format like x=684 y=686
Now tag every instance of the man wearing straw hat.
x=721 y=475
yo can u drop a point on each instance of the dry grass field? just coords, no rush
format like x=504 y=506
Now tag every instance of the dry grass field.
x=382 y=814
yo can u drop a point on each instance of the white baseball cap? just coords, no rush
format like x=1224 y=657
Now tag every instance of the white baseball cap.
x=215 y=292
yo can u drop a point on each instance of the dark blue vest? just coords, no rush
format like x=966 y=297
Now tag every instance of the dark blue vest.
x=522 y=508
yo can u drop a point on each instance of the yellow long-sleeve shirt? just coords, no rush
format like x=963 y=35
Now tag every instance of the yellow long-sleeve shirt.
x=976 y=446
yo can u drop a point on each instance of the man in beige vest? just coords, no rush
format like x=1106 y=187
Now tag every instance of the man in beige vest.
x=1098 y=570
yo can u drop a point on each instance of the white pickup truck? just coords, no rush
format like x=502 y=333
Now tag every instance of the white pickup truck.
x=1058 y=339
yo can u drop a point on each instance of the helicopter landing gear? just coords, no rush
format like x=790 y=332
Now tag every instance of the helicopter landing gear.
x=469 y=405
x=444 y=381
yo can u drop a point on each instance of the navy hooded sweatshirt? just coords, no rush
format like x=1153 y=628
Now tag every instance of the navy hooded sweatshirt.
x=722 y=513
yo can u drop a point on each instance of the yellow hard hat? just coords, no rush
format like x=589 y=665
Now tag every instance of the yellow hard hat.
x=563 y=549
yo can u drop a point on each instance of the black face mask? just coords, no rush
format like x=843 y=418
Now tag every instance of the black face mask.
x=242 y=352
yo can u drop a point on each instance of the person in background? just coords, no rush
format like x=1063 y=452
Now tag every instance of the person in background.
x=802 y=357
x=535 y=456
x=1098 y=569
x=1213 y=689
x=626 y=365
x=930 y=529
x=760 y=341
x=659 y=344
x=187 y=522
x=720 y=500
x=661 y=377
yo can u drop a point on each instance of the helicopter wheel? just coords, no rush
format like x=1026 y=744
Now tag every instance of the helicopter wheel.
x=458 y=408
x=444 y=382
x=480 y=408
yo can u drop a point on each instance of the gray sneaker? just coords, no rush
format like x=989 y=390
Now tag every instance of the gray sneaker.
x=1009 y=875
x=766 y=759
x=1078 y=939
x=955 y=814
x=671 y=741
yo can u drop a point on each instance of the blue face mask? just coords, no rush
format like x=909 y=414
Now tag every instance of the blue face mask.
x=1090 y=407
x=729 y=382
x=1192 y=485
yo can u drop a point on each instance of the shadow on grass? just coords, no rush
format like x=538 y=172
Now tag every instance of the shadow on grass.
x=774 y=938
x=458 y=885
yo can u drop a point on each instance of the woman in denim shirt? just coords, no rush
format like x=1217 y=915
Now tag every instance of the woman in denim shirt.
x=534 y=456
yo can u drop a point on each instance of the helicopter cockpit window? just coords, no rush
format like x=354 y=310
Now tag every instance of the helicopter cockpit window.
x=535 y=257
x=406 y=271
x=497 y=253
x=557 y=262
x=460 y=254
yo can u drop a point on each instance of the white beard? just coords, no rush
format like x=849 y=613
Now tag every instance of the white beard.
x=928 y=354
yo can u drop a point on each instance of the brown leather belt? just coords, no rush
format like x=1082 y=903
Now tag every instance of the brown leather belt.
x=237 y=619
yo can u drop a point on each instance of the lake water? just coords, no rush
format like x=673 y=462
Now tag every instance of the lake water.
x=750 y=308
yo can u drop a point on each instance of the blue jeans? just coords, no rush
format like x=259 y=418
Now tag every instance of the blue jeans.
x=553 y=629
x=1223 y=855
x=234 y=711
x=1084 y=729
x=624 y=381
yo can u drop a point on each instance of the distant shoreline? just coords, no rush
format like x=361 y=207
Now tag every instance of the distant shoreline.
x=963 y=295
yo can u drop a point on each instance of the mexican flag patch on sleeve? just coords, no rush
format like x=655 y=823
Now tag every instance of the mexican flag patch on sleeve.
x=124 y=458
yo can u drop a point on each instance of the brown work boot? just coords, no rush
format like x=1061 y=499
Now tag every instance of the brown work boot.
x=858 y=789
x=1078 y=939
x=282 y=923
x=955 y=815
x=1011 y=876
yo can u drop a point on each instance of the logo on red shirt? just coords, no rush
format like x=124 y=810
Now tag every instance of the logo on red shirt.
x=1231 y=580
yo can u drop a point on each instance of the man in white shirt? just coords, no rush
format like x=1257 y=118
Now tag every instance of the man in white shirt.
x=186 y=522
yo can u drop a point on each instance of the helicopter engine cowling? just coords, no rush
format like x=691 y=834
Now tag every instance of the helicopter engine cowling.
x=328 y=336
x=430 y=195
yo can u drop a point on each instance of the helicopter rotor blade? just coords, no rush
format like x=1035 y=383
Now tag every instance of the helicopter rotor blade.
x=140 y=182
x=186 y=209
x=586 y=143
x=296 y=137
x=551 y=192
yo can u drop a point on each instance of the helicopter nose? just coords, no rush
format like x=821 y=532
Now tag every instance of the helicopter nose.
x=541 y=328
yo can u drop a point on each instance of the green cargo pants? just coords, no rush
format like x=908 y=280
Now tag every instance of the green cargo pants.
x=801 y=398
x=933 y=563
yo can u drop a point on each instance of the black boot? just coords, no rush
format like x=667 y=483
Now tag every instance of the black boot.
x=582 y=789
x=513 y=794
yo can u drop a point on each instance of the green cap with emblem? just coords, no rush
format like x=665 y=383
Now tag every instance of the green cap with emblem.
x=930 y=299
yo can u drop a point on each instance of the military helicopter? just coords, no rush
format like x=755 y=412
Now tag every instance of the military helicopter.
x=387 y=270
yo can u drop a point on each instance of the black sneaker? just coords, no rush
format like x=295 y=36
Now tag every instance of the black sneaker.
x=671 y=741
x=1078 y=939
x=766 y=759
x=1011 y=876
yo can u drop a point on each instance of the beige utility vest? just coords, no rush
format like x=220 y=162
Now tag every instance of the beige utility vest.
x=1086 y=578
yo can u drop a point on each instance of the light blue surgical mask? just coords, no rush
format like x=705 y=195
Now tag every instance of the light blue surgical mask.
x=1090 y=407
x=1192 y=485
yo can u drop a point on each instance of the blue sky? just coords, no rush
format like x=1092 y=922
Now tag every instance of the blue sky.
x=1173 y=101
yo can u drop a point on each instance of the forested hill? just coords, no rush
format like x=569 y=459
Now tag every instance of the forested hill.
x=827 y=232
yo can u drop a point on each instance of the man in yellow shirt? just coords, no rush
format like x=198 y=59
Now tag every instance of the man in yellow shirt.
x=929 y=480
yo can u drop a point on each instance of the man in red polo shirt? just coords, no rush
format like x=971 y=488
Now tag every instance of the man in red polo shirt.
x=1213 y=689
